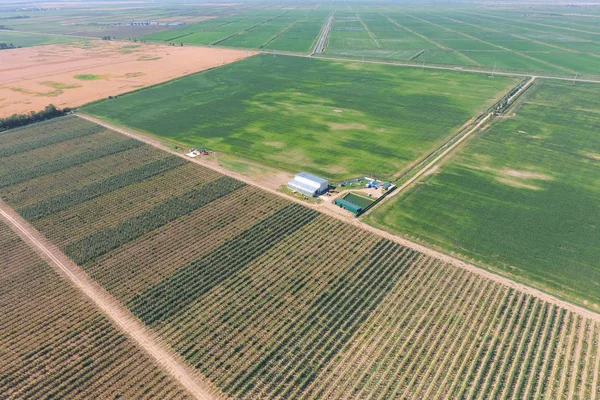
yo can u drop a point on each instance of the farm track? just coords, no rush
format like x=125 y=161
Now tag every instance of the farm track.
x=119 y=315
x=440 y=157
x=443 y=68
x=351 y=220
x=441 y=46
x=368 y=30
x=492 y=44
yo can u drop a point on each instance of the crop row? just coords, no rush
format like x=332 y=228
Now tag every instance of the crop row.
x=12 y=177
x=108 y=239
x=60 y=346
x=34 y=132
x=230 y=327
x=109 y=210
x=190 y=282
x=96 y=189
x=145 y=262
x=332 y=319
x=348 y=365
x=37 y=142
x=396 y=347
x=46 y=186
x=57 y=151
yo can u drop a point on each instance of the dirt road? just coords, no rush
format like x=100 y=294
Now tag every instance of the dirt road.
x=118 y=314
x=441 y=68
x=346 y=217
x=435 y=162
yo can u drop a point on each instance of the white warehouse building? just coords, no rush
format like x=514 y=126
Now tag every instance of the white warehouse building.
x=308 y=184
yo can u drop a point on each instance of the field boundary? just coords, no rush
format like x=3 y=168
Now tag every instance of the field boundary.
x=441 y=46
x=278 y=34
x=321 y=41
x=358 y=223
x=248 y=29
x=501 y=105
x=121 y=318
x=520 y=53
x=368 y=31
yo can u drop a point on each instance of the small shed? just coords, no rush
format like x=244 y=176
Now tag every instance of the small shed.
x=346 y=205
x=386 y=185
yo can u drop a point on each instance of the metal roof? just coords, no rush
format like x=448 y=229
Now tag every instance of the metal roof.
x=311 y=177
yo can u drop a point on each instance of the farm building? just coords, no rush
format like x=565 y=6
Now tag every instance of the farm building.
x=346 y=205
x=308 y=184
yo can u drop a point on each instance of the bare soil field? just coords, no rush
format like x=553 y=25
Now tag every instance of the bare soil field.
x=70 y=75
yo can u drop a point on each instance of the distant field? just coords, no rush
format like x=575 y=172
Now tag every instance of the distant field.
x=264 y=297
x=522 y=197
x=301 y=36
x=284 y=30
x=20 y=39
x=57 y=344
x=338 y=120
x=541 y=38
x=502 y=39
x=73 y=74
x=98 y=19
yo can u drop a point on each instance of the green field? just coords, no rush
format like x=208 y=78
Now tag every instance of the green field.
x=522 y=197
x=22 y=39
x=338 y=120
x=253 y=29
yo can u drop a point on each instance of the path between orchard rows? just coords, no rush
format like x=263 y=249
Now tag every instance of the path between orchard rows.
x=122 y=318
x=352 y=220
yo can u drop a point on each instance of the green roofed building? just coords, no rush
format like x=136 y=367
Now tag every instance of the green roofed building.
x=346 y=205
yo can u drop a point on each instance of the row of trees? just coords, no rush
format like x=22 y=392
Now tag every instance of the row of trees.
x=16 y=120
x=6 y=46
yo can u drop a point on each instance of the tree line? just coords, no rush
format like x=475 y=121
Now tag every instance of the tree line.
x=5 y=46
x=17 y=120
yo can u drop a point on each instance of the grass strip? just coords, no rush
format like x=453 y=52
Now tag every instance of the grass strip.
x=96 y=189
x=108 y=239
x=189 y=283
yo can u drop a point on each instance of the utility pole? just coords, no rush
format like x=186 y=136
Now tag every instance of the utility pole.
x=363 y=61
x=494 y=70
x=423 y=66
x=576 y=74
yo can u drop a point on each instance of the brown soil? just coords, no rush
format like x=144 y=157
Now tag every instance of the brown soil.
x=119 y=66
x=594 y=156
x=527 y=175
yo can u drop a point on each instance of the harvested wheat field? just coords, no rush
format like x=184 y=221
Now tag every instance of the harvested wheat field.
x=70 y=75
